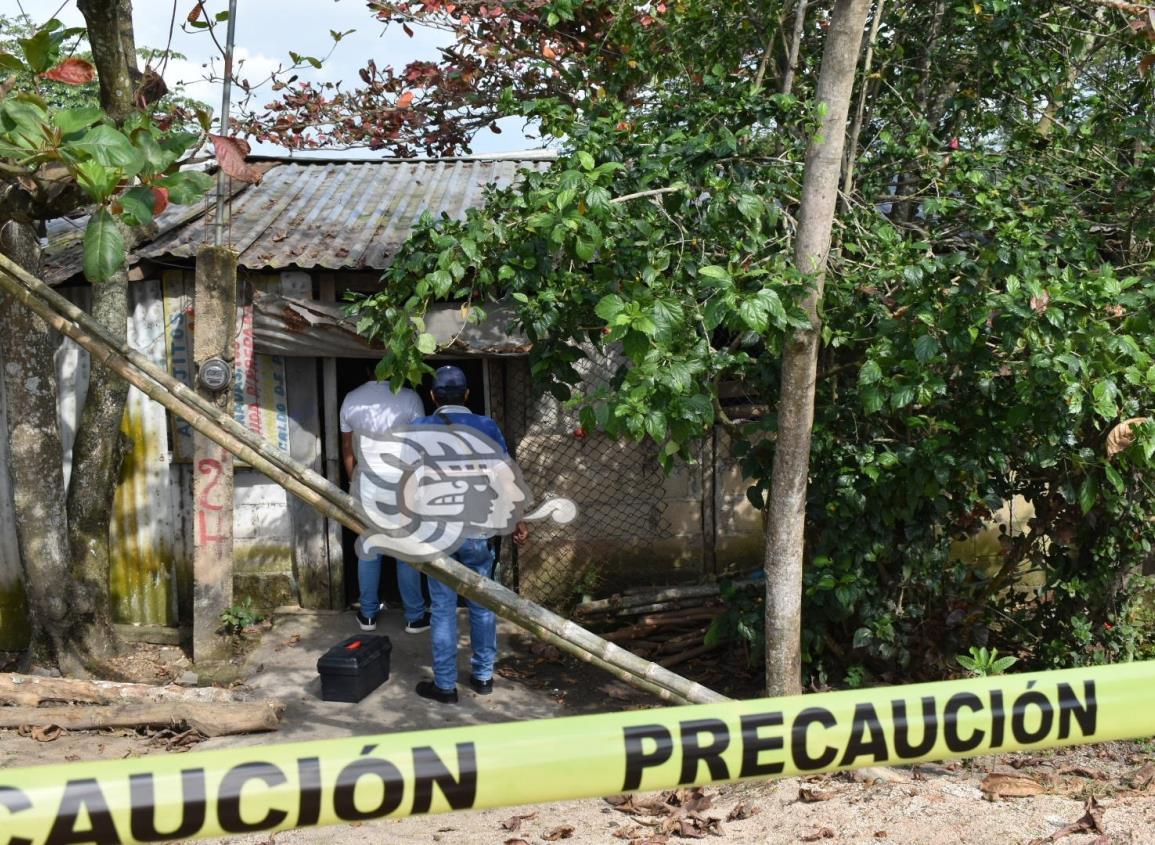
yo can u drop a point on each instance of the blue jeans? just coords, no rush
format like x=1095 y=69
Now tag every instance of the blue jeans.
x=408 y=582
x=477 y=555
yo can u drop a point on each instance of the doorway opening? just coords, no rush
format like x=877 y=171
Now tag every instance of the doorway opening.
x=351 y=374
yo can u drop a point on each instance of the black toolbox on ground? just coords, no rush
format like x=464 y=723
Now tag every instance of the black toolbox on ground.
x=354 y=667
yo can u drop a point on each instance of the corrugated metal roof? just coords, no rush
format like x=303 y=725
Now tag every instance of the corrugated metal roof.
x=350 y=215
x=331 y=215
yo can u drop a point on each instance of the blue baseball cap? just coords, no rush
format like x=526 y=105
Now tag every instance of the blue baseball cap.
x=449 y=378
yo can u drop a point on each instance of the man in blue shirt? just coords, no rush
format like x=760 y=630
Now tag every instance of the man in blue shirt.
x=450 y=391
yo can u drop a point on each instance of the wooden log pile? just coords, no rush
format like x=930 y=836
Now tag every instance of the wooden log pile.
x=29 y=700
x=667 y=625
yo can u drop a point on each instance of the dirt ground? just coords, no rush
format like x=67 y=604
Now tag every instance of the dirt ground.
x=1094 y=794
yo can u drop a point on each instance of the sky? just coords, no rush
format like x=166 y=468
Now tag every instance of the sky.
x=266 y=30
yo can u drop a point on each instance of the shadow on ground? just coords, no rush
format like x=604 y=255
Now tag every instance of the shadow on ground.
x=532 y=682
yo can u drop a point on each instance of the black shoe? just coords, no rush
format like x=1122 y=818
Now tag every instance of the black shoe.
x=481 y=687
x=428 y=689
x=366 y=624
x=419 y=626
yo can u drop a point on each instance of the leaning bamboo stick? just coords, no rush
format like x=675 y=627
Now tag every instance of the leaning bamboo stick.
x=329 y=499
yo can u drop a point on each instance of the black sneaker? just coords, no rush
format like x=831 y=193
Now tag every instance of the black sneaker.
x=418 y=626
x=428 y=689
x=366 y=623
x=481 y=687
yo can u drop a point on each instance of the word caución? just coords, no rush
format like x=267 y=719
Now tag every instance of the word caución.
x=816 y=739
x=181 y=806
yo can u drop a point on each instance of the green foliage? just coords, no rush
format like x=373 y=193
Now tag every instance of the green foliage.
x=741 y=624
x=989 y=314
x=239 y=617
x=122 y=170
x=983 y=662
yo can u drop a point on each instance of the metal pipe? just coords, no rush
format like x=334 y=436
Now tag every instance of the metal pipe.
x=220 y=222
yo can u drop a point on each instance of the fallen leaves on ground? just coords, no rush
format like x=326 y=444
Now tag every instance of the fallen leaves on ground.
x=515 y=842
x=677 y=812
x=821 y=833
x=741 y=811
x=638 y=836
x=996 y=785
x=514 y=823
x=1084 y=772
x=546 y=652
x=1143 y=779
x=41 y=733
x=811 y=796
x=1090 y=822
x=562 y=831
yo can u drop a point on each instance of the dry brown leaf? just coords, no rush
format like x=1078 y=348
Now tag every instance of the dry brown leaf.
x=1123 y=435
x=72 y=71
x=48 y=733
x=743 y=811
x=810 y=796
x=1084 y=772
x=562 y=831
x=1143 y=778
x=692 y=800
x=997 y=785
x=1090 y=822
x=515 y=842
x=514 y=823
x=231 y=154
x=821 y=833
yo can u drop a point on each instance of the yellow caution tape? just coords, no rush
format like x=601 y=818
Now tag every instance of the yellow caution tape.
x=273 y=787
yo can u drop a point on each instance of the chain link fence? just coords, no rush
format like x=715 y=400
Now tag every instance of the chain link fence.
x=618 y=487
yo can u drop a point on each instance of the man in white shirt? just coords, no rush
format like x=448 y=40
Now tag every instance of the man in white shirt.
x=373 y=409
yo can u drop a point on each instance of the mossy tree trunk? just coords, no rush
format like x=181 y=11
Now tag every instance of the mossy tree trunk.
x=35 y=464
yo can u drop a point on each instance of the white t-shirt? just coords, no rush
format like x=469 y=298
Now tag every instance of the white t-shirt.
x=374 y=409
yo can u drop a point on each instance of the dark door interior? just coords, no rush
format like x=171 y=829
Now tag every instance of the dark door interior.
x=352 y=373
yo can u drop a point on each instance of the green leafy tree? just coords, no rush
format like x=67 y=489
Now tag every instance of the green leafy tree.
x=121 y=164
x=986 y=315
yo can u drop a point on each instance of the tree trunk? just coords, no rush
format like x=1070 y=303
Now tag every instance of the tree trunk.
x=27 y=347
x=97 y=453
x=109 y=24
x=787 y=86
x=787 y=503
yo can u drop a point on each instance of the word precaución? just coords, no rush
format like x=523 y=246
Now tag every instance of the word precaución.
x=1032 y=718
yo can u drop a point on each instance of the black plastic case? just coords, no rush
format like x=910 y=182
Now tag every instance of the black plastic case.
x=354 y=667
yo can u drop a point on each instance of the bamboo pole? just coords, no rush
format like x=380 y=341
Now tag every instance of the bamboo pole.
x=330 y=500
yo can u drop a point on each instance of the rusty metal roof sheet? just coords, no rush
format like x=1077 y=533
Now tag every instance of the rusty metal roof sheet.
x=329 y=215
x=350 y=215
